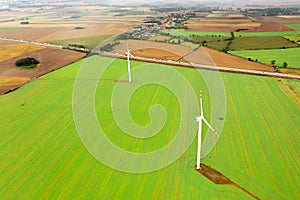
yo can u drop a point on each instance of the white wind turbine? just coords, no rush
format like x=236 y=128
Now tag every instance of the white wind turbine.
x=128 y=63
x=199 y=120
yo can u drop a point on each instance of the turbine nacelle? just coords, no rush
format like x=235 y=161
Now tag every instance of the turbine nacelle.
x=200 y=118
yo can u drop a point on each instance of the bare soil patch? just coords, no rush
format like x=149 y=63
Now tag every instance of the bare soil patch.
x=141 y=45
x=50 y=59
x=226 y=60
x=218 y=178
x=274 y=24
x=46 y=34
x=202 y=55
x=233 y=22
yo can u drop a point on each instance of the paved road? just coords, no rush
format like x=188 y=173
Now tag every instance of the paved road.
x=168 y=62
x=30 y=42
x=215 y=68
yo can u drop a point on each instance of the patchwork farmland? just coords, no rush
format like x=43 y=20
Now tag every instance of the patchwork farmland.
x=66 y=134
x=258 y=148
x=290 y=56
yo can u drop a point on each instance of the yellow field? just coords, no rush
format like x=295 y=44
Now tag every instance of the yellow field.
x=159 y=38
x=235 y=15
x=9 y=81
x=11 y=50
x=290 y=71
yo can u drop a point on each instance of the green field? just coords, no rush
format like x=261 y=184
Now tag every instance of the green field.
x=273 y=42
x=88 y=42
x=42 y=156
x=296 y=27
x=237 y=34
x=291 y=56
x=246 y=43
x=7 y=29
x=178 y=32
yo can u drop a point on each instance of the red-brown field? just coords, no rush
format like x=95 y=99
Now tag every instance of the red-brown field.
x=274 y=24
x=203 y=55
x=227 y=60
x=233 y=22
x=50 y=59
x=67 y=31
x=157 y=53
x=141 y=45
x=59 y=24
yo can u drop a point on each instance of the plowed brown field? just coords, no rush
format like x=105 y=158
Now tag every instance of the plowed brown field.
x=157 y=53
x=50 y=59
x=202 y=55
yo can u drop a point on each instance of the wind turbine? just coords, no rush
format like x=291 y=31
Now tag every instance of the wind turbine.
x=199 y=120
x=128 y=63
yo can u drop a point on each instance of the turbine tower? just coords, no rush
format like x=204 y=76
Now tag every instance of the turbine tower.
x=199 y=120
x=128 y=63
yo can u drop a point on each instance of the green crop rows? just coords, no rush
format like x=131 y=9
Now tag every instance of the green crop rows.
x=42 y=156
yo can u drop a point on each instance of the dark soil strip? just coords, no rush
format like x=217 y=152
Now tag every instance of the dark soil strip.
x=218 y=178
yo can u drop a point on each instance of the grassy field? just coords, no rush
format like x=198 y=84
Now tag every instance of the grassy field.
x=209 y=38
x=189 y=33
x=42 y=156
x=273 y=42
x=6 y=29
x=296 y=27
x=88 y=42
x=246 y=43
x=291 y=56
x=237 y=34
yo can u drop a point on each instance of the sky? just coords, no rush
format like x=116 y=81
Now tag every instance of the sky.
x=217 y=1
x=237 y=2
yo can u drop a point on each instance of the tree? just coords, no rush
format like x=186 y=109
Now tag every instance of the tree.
x=232 y=34
x=273 y=62
x=27 y=63
x=284 y=64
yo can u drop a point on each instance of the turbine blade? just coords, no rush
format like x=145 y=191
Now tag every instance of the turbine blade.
x=209 y=126
x=128 y=63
